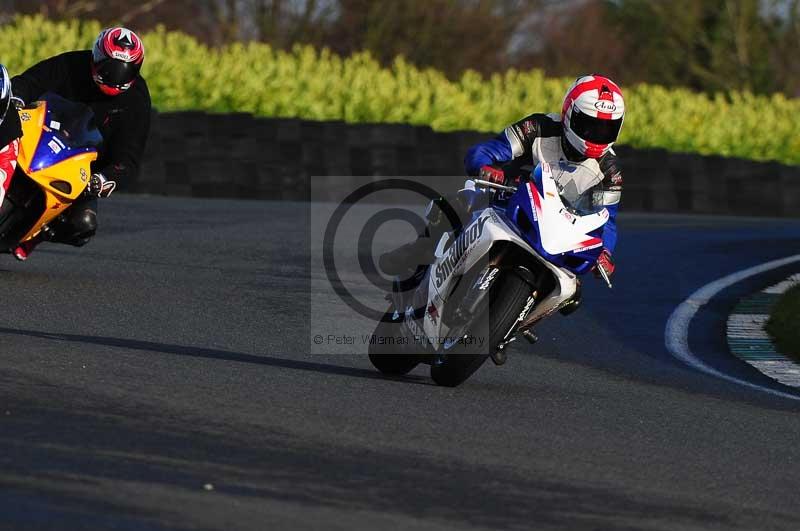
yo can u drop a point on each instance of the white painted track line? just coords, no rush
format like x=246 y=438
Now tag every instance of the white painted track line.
x=676 y=334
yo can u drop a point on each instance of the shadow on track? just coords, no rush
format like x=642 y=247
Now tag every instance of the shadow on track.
x=214 y=354
x=99 y=451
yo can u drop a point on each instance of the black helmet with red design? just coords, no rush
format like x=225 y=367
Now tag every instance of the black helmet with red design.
x=592 y=115
x=117 y=57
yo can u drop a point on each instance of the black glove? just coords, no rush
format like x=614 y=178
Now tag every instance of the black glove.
x=99 y=186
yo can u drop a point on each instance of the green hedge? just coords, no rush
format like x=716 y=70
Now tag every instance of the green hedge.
x=318 y=85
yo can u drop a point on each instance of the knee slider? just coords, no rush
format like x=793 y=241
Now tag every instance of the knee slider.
x=85 y=223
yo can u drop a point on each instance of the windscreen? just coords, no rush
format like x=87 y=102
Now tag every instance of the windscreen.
x=580 y=187
x=72 y=122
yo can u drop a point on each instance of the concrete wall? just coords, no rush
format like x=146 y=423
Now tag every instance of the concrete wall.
x=237 y=155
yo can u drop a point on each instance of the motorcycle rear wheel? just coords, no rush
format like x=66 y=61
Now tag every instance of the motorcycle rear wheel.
x=384 y=355
x=507 y=298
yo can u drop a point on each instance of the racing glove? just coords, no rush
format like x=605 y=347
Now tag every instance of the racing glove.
x=492 y=174
x=99 y=186
x=606 y=262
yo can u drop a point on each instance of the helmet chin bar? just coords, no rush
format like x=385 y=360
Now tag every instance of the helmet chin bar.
x=111 y=91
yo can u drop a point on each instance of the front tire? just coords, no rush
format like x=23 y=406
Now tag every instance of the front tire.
x=385 y=356
x=23 y=204
x=507 y=298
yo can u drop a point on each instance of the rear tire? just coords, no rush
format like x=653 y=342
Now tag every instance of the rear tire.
x=507 y=298
x=384 y=355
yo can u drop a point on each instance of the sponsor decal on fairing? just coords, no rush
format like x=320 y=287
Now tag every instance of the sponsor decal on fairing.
x=458 y=250
x=54 y=146
x=433 y=313
x=526 y=309
x=488 y=278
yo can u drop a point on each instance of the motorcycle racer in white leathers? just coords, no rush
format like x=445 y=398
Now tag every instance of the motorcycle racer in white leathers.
x=584 y=132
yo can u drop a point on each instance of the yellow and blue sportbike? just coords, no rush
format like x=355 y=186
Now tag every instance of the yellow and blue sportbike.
x=59 y=143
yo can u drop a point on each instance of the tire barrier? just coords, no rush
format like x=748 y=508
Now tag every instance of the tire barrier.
x=241 y=156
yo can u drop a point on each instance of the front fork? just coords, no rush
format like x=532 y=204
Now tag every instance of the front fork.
x=499 y=356
x=481 y=288
x=564 y=298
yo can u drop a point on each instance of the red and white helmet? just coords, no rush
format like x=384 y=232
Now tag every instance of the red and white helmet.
x=592 y=115
x=117 y=57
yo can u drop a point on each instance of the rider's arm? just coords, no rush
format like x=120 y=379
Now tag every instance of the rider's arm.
x=126 y=142
x=487 y=153
x=514 y=143
x=611 y=197
x=42 y=77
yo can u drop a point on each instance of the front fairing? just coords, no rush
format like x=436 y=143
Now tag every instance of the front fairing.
x=550 y=224
x=59 y=144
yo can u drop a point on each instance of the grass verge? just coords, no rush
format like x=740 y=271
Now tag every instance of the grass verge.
x=784 y=323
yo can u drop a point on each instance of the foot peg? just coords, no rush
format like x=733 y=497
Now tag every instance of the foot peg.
x=530 y=336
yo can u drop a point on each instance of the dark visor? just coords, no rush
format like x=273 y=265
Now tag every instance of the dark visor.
x=116 y=73
x=594 y=130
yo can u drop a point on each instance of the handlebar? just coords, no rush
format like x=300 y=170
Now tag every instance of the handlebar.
x=495 y=186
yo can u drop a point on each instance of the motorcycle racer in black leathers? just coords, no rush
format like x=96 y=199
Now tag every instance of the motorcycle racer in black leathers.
x=106 y=79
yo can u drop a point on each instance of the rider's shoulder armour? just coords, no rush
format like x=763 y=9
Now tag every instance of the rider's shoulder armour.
x=522 y=133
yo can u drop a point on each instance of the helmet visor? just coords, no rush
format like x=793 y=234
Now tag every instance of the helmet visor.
x=115 y=73
x=594 y=130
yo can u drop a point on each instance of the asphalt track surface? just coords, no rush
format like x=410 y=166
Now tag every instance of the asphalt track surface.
x=173 y=353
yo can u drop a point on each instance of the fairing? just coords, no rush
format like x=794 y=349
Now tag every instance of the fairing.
x=555 y=230
x=563 y=226
x=59 y=144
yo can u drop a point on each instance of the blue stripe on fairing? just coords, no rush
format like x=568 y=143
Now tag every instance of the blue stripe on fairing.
x=520 y=203
x=45 y=156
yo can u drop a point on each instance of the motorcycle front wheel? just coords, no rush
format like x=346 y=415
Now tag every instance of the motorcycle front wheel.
x=507 y=299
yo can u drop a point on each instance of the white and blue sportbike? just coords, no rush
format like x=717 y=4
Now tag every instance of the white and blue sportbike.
x=516 y=262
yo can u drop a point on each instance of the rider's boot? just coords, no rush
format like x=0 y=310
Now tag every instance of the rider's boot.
x=22 y=251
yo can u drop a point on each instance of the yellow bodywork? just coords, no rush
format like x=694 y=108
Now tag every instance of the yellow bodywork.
x=74 y=170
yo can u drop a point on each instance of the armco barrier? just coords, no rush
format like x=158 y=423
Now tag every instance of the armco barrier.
x=238 y=155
